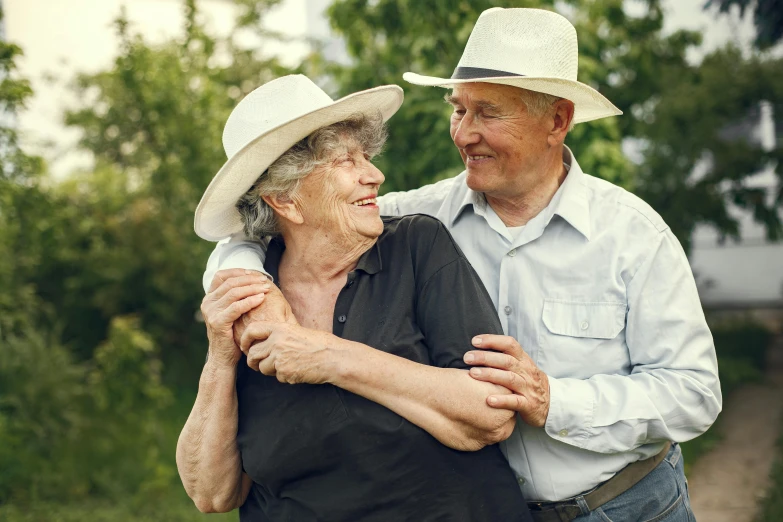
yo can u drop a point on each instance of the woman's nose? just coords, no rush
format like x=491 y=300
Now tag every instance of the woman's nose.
x=372 y=175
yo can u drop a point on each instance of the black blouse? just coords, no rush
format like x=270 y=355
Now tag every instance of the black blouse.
x=320 y=453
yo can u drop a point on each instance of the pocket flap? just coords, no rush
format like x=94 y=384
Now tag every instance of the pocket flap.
x=602 y=320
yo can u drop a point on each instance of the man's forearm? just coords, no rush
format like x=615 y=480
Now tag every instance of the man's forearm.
x=445 y=402
x=208 y=459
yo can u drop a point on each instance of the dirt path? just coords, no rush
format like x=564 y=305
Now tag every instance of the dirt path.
x=727 y=483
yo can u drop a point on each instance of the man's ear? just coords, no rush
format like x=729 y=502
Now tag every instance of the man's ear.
x=561 y=121
x=285 y=207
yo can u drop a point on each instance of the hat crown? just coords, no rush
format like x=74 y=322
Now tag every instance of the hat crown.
x=270 y=105
x=528 y=42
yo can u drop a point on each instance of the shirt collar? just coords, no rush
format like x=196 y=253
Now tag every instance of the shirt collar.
x=370 y=262
x=571 y=201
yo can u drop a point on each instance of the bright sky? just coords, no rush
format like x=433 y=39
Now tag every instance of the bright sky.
x=61 y=38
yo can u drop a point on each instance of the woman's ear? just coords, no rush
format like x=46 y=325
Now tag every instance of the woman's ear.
x=285 y=207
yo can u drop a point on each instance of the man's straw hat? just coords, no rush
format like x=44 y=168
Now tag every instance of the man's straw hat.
x=528 y=48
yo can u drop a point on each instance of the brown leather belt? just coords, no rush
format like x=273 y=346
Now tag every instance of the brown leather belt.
x=625 y=479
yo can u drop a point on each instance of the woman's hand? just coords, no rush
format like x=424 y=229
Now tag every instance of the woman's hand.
x=274 y=309
x=232 y=293
x=290 y=352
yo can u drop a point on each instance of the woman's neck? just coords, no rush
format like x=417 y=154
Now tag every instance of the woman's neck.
x=315 y=256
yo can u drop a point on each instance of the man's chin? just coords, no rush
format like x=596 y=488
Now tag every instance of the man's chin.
x=476 y=182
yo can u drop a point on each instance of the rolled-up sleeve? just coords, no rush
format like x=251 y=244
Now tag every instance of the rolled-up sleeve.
x=672 y=391
x=235 y=252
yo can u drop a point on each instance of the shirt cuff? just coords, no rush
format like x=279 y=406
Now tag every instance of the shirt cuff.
x=571 y=408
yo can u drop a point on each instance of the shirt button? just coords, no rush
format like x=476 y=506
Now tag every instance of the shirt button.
x=342 y=318
x=507 y=309
x=563 y=433
x=584 y=325
x=512 y=253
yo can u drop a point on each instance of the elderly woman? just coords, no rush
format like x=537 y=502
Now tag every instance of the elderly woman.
x=363 y=410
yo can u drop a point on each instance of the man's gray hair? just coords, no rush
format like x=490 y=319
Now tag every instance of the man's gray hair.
x=282 y=178
x=540 y=103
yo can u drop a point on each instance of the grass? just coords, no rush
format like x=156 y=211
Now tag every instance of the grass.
x=172 y=510
x=771 y=509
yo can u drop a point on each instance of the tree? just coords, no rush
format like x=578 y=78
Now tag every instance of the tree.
x=767 y=17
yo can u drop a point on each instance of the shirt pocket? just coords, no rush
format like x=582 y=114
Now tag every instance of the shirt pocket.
x=582 y=338
x=597 y=320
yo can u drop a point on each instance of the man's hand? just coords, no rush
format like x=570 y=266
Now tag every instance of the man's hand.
x=515 y=370
x=290 y=352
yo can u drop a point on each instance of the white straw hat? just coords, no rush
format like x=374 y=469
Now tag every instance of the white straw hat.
x=264 y=125
x=529 y=48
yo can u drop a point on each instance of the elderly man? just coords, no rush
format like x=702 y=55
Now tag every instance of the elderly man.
x=607 y=351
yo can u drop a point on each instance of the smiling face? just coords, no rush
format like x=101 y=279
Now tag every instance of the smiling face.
x=503 y=146
x=339 y=196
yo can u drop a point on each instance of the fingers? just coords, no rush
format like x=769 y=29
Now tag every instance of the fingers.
x=240 y=292
x=510 y=380
x=491 y=359
x=518 y=403
x=259 y=355
x=499 y=343
x=236 y=309
x=255 y=332
x=223 y=275
x=237 y=282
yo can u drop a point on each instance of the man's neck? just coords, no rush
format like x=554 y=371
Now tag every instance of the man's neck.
x=517 y=209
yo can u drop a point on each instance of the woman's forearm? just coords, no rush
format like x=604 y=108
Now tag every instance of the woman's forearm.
x=208 y=459
x=445 y=402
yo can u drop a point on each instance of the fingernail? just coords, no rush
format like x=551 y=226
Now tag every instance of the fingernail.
x=475 y=371
x=493 y=400
x=469 y=357
x=477 y=341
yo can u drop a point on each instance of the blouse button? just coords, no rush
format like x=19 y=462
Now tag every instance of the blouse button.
x=342 y=318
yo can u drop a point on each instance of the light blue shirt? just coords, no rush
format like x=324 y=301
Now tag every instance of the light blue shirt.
x=598 y=291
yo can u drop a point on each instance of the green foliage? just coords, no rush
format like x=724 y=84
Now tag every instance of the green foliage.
x=101 y=281
x=767 y=17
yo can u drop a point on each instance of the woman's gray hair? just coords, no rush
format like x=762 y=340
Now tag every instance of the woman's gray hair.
x=282 y=178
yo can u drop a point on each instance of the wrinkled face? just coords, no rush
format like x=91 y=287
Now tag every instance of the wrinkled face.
x=501 y=144
x=339 y=197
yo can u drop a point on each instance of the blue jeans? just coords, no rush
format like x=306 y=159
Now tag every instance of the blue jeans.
x=661 y=496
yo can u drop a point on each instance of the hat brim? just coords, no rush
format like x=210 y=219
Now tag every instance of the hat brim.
x=589 y=104
x=216 y=215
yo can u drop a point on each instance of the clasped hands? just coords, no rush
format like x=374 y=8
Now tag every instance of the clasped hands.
x=274 y=343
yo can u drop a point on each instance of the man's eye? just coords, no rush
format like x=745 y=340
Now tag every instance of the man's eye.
x=459 y=112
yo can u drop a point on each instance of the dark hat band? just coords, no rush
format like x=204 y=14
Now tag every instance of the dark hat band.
x=471 y=73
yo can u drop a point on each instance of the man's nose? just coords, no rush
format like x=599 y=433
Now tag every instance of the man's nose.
x=465 y=131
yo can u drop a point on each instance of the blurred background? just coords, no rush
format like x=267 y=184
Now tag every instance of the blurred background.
x=111 y=114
